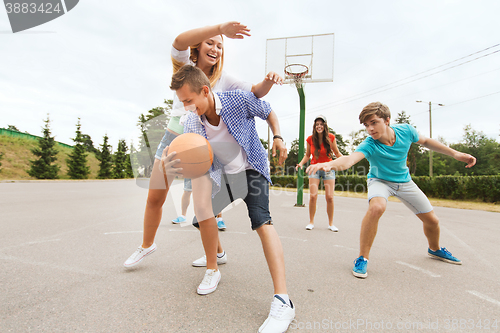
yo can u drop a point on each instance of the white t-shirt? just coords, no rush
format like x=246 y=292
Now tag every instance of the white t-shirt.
x=224 y=145
x=225 y=83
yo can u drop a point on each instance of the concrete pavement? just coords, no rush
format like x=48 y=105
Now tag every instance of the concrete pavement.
x=63 y=243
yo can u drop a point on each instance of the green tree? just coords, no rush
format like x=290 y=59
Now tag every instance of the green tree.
x=120 y=158
x=105 y=158
x=362 y=167
x=13 y=128
x=293 y=158
x=43 y=167
x=341 y=144
x=77 y=161
x=152 y=125
x=89 y=144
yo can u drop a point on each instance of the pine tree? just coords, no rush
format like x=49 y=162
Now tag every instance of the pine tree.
x=42 y=168
x=77 y=161
x=120 y=160
x=105 y=160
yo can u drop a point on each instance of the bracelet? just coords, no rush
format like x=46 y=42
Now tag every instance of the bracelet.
x=278 y=137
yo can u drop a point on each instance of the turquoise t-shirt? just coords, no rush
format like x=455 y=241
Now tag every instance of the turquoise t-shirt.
x=389 y=163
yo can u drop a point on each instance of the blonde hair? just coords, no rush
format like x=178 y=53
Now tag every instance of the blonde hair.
x=374 y=108
x=215 y=72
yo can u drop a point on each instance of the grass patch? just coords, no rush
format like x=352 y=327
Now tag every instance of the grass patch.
x=17 y=154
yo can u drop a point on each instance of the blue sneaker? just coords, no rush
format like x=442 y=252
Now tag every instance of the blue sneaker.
x=221 y=225
x=359 y=269
x=179 y=219
x=444 y=255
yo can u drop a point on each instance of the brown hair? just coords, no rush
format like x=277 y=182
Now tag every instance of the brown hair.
x=327 y=143
x=215 y=72
x=192 y=76
x=375 y=108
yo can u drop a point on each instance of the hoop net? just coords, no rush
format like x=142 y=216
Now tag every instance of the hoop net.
x=296 y=72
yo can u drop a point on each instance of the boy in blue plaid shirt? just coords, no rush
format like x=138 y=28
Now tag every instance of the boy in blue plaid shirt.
x=240 y=170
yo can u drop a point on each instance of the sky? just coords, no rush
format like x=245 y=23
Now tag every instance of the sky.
x=107 y=62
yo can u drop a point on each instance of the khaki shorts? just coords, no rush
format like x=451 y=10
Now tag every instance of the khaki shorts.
x=408 y=193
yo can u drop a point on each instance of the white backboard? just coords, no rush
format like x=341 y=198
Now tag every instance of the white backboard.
x=313 y=51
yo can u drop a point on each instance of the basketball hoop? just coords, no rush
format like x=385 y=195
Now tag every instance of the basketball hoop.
x=296 y=72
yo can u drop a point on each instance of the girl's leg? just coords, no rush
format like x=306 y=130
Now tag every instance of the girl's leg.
x=158 y=189
x=329 y=192
x=313 y=198
x=369 y=225
x=186 y=198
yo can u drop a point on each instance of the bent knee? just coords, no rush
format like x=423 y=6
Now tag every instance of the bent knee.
x=156 y=198
x=377 y=207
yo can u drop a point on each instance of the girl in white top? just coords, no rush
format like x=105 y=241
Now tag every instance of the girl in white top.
x=203 y=48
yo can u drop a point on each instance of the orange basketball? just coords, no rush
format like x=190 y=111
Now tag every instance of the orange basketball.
x=195 y=153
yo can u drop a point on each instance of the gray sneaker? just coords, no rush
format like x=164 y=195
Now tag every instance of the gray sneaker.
x=202 y=262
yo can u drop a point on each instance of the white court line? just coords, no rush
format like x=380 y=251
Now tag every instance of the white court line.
x=302 y=240
x=484 y=297
x=418 y=269
x=122 y=232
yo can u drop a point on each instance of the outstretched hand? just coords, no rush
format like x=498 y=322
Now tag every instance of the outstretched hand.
x=167 y=163
x=274 y=77
x=313 y=168
x=234 y=30
x=466 y=158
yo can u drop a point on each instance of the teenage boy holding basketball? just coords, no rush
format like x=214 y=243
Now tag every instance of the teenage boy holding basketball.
x=386 y=149
x=240 y=170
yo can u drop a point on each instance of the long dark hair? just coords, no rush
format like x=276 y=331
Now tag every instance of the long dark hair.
x=326 y=140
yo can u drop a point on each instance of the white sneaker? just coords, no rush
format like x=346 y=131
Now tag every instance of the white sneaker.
x=333 y=228
x=202 y=262
x=280 y=316
x=310 y=226
x=209 y=283
x=139 y=255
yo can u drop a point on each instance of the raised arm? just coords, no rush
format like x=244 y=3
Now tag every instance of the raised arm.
x=443 y=149
x=233 y=29
x=341 y=163
x=262 y=88
x=278 y=144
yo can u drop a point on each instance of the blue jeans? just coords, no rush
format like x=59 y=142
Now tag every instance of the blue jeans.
x=250 y=186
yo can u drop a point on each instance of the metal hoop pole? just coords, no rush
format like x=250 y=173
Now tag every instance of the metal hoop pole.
x=300 y=175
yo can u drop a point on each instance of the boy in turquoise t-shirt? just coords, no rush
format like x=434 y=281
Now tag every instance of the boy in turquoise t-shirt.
x=386 y=150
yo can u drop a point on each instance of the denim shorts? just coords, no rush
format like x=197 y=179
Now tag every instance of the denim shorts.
x=250 y=186
x=321 y=174
x=408 y=193
x=165 y=141
x=187 y=185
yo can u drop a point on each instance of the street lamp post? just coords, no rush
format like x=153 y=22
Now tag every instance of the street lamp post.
x=430 y=135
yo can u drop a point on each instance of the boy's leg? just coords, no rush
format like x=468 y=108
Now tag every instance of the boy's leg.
x=369 y=225
x=273 y=252
x=202 y=200
x=431 y=229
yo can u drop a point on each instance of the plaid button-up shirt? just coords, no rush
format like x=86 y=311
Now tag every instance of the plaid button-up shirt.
x=237 y=110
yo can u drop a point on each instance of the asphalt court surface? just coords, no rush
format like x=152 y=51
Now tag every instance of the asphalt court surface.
x=63 y=243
